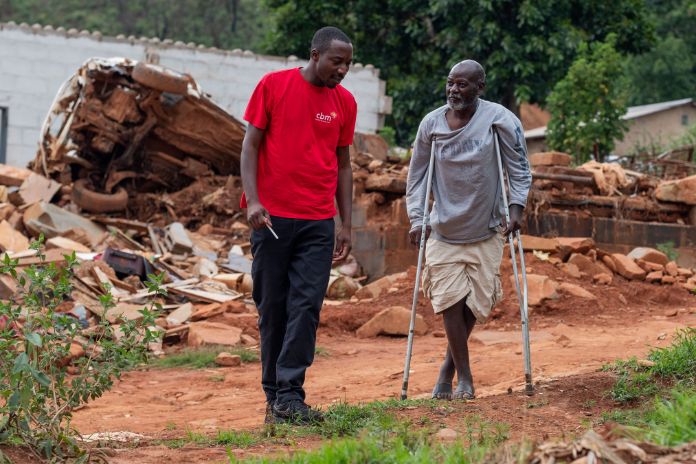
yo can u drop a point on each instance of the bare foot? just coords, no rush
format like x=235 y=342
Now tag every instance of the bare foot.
x=442 y=391
x=464 y=391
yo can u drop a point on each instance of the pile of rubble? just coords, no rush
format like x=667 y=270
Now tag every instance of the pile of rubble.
x=608 y=190
x=591 y=447
x=579 y=258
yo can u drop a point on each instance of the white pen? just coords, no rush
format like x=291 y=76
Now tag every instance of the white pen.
x=271 y=229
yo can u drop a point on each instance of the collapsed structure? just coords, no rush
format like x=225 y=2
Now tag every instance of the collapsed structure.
x=137 y=172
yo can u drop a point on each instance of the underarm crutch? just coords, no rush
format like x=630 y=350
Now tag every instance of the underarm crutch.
x=421 y=253
x=521 y=296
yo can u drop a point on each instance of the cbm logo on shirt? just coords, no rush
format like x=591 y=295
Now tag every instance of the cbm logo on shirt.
x=326 y=118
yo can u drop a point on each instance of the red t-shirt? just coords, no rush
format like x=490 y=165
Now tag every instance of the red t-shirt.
x=304 y=124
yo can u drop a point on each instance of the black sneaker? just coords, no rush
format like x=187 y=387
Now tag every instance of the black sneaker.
x=296 y=412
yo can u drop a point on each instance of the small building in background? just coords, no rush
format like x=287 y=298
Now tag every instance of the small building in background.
x=650 y=127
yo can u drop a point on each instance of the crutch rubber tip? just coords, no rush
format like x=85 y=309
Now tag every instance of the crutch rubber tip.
x=529 y=390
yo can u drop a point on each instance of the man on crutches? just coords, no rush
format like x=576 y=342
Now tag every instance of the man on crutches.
x=464 y=251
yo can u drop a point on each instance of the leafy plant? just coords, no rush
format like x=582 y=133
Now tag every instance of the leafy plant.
x=668 y=249
x=587 y=104
x=41 y=382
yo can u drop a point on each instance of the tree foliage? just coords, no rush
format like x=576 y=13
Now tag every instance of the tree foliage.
x=587 y=104
x=668 y=71
x=526 y=46
x=215 y=23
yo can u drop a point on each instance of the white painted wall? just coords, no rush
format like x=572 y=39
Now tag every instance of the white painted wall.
x=36 y=60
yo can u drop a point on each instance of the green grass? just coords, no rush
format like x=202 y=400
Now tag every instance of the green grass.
x=673 y=420
x=666 y=412
x=675 y=364
x=378 y=437
x=201 y=358
x=231 y=438
x=321 y=351
x=678 y=361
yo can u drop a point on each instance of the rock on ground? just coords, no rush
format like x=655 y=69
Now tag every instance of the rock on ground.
x=650 y=255
x=627 y=268
x=392 y=321
x=213 y=333
x=228 y=360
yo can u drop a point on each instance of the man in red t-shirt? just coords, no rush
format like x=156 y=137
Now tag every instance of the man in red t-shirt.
x=295 y=161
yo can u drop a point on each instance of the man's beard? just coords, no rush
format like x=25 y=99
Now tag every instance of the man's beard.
x=458 y=106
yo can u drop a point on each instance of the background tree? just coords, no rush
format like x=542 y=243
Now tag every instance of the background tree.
x=587 y=104
x=215 y=23
x=526 y=46
x=668 y=71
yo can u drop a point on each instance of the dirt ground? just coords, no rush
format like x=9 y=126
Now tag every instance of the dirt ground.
x=571 y=339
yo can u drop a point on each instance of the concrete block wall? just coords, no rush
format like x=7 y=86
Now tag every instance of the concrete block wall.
x=36 y=60
x=383 y=248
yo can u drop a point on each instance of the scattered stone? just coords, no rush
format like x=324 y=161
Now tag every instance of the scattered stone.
x=11 y=239
x=66 y=244
x=672 y=269
x=207 y=311
x=341 y=287
x=235 y=307
x=180 y=315
x=668 y=280
x=650 y=267
x=230 y=280
x=8 y=286
x=37 y=188
x=671 y=312
x=679 y=191
x=572 y=270
x=213 y=333
x=645 y=363
x=602 y=279
x=609 y=262
x=655 y=276
x=394 y=320
x=563 y=340
x=205 y=268
x=627 y=268
x=623 y=299
x=228 y=360
x=439 y=334
x=13 y=176
x=446 y=434
x=685 y=272
x=576 y=290
x=586 y=265
x=127 y=311
x=531 y=242
x=540 y=288
x=379 y=286
x=248 y=340
x=648 y=254
x=570 y=245
x=550 y=158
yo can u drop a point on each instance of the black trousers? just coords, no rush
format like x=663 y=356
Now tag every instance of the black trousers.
x=290 y=276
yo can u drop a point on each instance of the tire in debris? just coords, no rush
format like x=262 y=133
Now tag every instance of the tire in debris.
x=159 y=78
x=95 y=202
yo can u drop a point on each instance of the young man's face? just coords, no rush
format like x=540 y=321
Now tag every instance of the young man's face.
x=332 y=64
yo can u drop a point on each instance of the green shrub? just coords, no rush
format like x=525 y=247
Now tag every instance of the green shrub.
x=37 y=393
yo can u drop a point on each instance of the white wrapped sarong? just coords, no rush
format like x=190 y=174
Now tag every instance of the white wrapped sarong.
x=455 y=271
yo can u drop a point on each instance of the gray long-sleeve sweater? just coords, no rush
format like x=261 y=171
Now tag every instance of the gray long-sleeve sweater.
x=466 y=186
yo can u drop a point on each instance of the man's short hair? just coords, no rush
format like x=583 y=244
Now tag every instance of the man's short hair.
x=323 y=37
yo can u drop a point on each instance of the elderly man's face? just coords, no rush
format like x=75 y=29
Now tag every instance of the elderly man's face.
x=463 y=88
